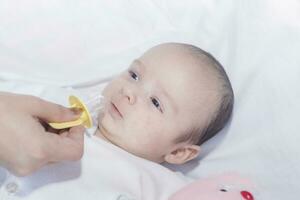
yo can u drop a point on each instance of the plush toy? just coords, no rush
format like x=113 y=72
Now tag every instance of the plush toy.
x=224 y=187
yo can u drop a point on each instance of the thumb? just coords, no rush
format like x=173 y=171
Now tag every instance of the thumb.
x=51 y=112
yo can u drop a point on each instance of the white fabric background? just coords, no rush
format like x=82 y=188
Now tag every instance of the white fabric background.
x=258 y=42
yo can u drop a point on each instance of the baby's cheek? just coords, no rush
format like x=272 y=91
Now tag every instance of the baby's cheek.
x=140 y=124
x=135 y=125
x=109 y=89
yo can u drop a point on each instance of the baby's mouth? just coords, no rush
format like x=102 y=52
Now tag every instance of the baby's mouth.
x=116 y=110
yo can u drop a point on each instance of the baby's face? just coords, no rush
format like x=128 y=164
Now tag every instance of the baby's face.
x=161 y=96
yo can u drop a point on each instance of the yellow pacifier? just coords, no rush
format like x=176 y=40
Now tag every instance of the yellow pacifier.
x=85 y=118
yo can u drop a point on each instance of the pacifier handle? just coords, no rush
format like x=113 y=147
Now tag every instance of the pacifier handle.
x=85 y=118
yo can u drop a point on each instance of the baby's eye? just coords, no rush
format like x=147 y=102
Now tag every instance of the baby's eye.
x=133 y=75
x=223 y=190
x=156 y=103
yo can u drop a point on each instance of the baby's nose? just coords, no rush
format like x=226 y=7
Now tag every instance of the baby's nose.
x=129 y=95
x=247 y=195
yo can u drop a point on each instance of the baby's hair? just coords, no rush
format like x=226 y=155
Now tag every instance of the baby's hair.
x=224 y=109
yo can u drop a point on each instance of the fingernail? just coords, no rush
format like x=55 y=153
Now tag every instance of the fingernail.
x=76 y=111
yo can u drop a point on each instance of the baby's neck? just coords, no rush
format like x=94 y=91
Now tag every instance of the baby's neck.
x=100 y=133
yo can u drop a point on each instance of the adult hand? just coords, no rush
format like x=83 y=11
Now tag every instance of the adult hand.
x=25 y=144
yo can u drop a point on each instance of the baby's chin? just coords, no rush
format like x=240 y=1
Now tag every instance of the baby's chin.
x=106 y=135
x=102 y=133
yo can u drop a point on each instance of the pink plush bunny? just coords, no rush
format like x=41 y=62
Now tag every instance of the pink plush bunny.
x=224 y=187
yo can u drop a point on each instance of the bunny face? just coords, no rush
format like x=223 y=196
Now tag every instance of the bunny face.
x=224 y=187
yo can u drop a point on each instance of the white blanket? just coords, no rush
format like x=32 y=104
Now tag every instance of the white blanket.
x=258 y=42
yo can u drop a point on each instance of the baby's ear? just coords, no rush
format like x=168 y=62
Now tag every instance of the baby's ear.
x=182 y=154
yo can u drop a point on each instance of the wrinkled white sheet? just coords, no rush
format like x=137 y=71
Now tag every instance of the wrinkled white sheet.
x=65 y=43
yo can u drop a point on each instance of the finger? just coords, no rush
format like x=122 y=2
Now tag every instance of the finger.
x=50 y=129
x=68 y=146
x=64 y=134
x=76 y=132
x=52 y=112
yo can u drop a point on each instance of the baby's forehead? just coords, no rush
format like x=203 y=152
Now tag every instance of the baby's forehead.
x=176 y=69
x=176 y=57
x=184 y=81
x=164 y=56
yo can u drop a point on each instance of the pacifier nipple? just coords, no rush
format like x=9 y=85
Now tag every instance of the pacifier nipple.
x=86 y=119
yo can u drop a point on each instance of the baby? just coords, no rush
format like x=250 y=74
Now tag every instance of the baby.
x=170 y=101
